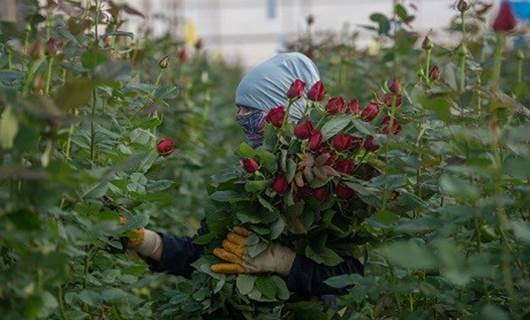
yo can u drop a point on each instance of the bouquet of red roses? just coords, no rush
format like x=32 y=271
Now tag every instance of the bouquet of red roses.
x=306 y=186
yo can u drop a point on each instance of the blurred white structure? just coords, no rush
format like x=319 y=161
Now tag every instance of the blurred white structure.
x=249 y=31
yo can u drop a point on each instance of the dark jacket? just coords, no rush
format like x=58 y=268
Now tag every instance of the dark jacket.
x=305 y=279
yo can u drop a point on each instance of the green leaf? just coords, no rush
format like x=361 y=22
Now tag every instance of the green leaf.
x=318 y=252
x=363 y=127
x=245 y=150
x=74 y=94
x=409 y=254
x=267 y=159
x=267 y=287
x=291 y=170
x=491 y=312
x=226 y=196
x=282 y=292
x=439 y=105
x=382 y=21
x=458 y=187
x=249 y=217
x=92 y=58
x=8 y=128
x=334 y=126
x=253 y=186
x=344 y=280
x=245 y=283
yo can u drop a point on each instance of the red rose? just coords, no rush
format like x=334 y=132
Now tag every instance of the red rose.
x=342 y=141
x=303 y=129
x=315 y=140
x=296 y=90
x=343 y=191
x=505 y=20
x=165 y=146
x=344 y=166
x=183 y=55
x=280 y=184
x=335 y=105
x=390 y=126
x=394 y=87
x=276 y=116
x=317 y=91
x=354 y=107
x=388 y=99
x=320 y=193
x=250 y=165
x=369 y=144
x=54 y=46
x=435 y=74
x=370 y=112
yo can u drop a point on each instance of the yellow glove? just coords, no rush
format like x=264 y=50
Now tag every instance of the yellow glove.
x=276 y=258
x=135 y=237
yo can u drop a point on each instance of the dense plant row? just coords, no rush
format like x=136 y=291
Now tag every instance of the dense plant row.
x=81 y=111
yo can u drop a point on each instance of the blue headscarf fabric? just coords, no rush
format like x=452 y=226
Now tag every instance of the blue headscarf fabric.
x=265 y=87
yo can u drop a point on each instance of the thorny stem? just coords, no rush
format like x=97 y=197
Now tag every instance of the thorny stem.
x=92 y=128
x=462 y=55
x=520 y=71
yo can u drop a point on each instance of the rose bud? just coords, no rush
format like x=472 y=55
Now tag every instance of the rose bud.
x=462 y=5
x=324 y=152
x=50 y=4
x=165 y=146
x=276 y=116
x=342 y=141
x=164 y=62
x=296 y=90
x=250 y=165
x=335 y=105
x=343 y=191
x=303 y=129
x=435 y=74
x=427 y=43
x=390 y=126
x=315 y=140
x=183 y=55
x=370 y=112
x=394 y=87
x=38 y=83
x=369 y=144
x=388 y=99
x=320 y=193
x=37 y=50
x=505 y=20
x=53 y=46
x=280 y=184
x=344 y=166
x=354 y=107
x=317 y=92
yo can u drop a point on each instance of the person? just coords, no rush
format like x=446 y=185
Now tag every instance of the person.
x=261 y=89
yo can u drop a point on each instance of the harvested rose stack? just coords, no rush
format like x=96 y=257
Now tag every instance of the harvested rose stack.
x=306 y=185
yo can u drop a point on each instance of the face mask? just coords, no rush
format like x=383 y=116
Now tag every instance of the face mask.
x=252 y=124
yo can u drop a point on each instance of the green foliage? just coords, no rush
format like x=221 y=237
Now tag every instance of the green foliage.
x=445 y=223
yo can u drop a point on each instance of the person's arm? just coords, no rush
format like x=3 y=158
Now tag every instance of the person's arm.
x=306 y=277
x=175 y=256
x=165 y=252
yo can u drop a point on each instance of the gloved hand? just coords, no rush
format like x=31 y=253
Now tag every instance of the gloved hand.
x=145 y=242
x=276 y=258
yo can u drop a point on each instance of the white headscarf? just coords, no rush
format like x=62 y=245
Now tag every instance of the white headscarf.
x=265 y=86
